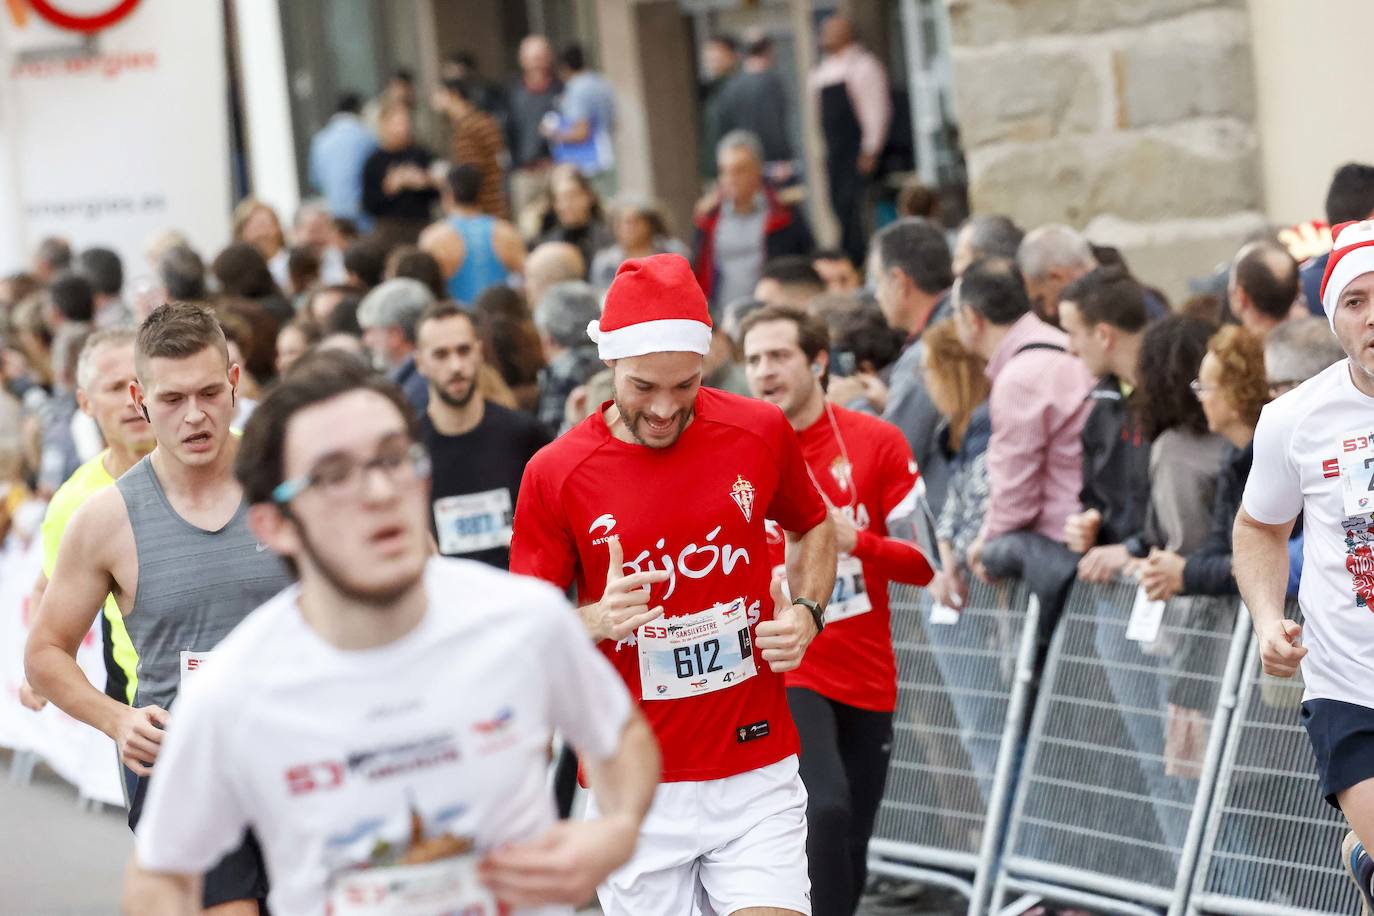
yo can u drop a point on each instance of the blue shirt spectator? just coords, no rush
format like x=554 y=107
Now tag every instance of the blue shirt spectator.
x=337 y=154
x=586 y=117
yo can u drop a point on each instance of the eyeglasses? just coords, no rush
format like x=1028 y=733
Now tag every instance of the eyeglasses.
x=1200 y=389
x=342 y=476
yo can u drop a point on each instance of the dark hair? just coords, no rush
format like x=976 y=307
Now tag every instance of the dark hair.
x=242 y=271
x=759 y=46
x=439 y=311
x=182 y=273
x=366 y=260
x=513 y=347
x=344 y=318
x=829 y=254
x=465 y=183
x=254 y=329
x=993 y=288
x=918 y=249
x=574 y=58
x=792 y=268
x=410 y=261
x=1351 y=195
x=404 y=74
x=812 y=334
x=1271 y=290
x=103 y=270
x=347 y=229
x=460 y=88
x=501 y=300
x=177 y=330
x=1170 y=355
x=461 y=58
x=55 y=252
x=316 y=377
x=725 y=41
x=72 y=296
x=302 y=268
x=916 y=199
x=1108 y=295
x=349 y=103
x=865 y=333
x=994 y=235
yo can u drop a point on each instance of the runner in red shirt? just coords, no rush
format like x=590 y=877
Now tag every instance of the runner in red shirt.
x=669 y=485
x=843 y=694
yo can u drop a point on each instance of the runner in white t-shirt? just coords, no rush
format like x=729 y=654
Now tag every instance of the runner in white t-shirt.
x=383 y=726
x=1314 y=455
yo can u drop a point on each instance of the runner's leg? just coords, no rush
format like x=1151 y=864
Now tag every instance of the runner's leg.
x=829 y=818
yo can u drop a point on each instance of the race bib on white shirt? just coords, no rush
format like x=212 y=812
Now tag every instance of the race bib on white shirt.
x=849 y=598
x=473 y=521
x=448 y=886
x=1357 y=474
x=700 y=653
x=191 y=661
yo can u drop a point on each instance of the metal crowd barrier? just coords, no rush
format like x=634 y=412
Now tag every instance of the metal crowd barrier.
x=1122 y=753
x=961 y=709
x=1271 y=842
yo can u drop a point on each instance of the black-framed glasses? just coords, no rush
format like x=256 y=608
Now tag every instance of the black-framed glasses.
x=342 y=476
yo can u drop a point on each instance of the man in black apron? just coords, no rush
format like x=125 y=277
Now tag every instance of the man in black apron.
x=856 y=111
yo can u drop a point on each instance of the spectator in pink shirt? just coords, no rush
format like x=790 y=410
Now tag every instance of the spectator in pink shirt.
x=1038 y=406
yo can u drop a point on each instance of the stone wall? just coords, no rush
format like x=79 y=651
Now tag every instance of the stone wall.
x=1133 y=120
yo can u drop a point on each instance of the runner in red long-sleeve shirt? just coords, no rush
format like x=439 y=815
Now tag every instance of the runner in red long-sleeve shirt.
x=843 y=694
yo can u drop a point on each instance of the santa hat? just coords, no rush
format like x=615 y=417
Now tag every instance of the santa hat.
x=1352 y=255
x=654 y=305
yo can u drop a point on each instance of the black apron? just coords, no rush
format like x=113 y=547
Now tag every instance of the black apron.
x=848 y=189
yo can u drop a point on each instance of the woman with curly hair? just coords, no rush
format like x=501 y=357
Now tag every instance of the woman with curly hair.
x=1184 y=456
x=1231 y=388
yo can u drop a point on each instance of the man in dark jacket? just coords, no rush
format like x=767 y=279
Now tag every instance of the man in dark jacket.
x=1104 y=313
x=745 y=227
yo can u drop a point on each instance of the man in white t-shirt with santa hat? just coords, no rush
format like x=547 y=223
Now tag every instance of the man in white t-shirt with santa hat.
x=1314 y=455
x=654 y=507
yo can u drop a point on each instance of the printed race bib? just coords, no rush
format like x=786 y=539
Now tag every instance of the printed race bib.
x=191 y=661
x=1357 y=473
x=448 y=886
x=473 y=521
x=850 y=596
x=700 y=653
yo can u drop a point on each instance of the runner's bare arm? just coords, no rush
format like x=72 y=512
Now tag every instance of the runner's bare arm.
x=1259 y=559
x=565 y=864
x=813 y=569
x=71 y=602
x=148 y=893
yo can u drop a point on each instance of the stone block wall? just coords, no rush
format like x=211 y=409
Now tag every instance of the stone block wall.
x=1133 y=120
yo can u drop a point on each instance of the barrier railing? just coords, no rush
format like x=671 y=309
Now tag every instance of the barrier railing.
x=1271 y=841
x=1122 y=751
x=961 y=708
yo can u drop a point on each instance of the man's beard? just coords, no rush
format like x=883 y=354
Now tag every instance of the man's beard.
x=441 y=392
x=377 y=599
x=631 y=421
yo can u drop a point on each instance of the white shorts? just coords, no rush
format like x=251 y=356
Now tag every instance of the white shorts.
x=716 y=847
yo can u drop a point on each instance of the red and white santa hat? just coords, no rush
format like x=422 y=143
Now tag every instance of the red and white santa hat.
x=1352 y=255
x=654 y=305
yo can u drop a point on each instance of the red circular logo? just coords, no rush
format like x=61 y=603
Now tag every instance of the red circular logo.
x=91 y=22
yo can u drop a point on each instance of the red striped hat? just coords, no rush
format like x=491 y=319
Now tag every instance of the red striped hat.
x=654 y=305
x=1352 y=255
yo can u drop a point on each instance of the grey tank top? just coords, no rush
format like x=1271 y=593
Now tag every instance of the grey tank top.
x=194 y=586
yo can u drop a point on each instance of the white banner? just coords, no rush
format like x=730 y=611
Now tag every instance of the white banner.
x=113 y=142
x=78 y=753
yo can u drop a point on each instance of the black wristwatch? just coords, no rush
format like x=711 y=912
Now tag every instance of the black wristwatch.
x=817 y=614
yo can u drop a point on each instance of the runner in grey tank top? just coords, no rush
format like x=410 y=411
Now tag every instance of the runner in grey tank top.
x=194 y=586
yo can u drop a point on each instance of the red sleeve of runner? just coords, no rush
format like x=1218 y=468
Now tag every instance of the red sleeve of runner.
x=796 y=505
x=541 y=543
